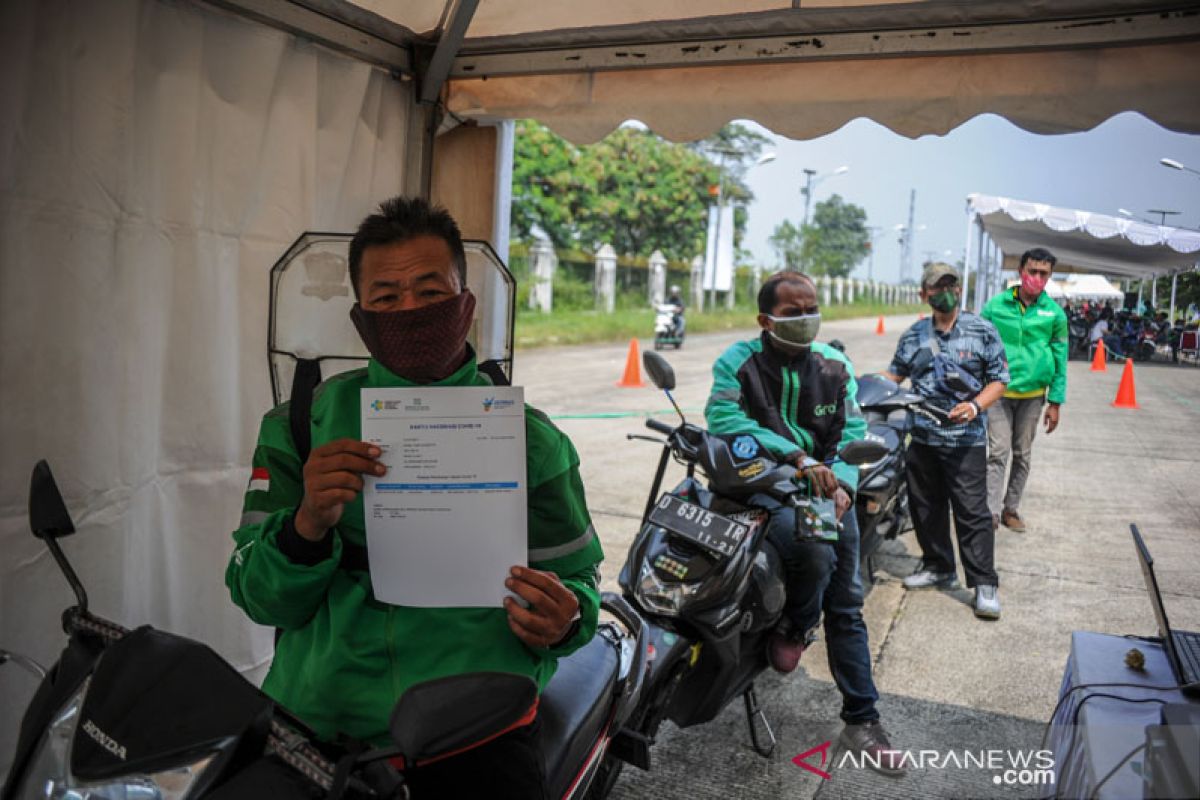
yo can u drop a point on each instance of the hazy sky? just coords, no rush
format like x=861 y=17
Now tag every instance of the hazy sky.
x=1113 y=166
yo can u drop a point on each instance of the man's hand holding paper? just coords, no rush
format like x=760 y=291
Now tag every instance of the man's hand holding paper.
x=332 y=478
x=552 y=608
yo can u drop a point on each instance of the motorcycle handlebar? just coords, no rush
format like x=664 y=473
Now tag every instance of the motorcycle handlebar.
x=661 y=427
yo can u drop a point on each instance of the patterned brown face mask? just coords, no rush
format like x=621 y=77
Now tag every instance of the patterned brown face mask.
x=422 y=344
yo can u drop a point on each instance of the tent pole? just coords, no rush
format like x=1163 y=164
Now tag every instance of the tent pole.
x=981 y=253
x=966 y=278
x=1154 y=291
x=1174 y=281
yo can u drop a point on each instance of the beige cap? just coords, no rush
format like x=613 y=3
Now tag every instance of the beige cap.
x=935 y=272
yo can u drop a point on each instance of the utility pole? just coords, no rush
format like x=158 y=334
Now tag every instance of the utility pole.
x=712 y=291
x=873 y=231
x=808 y=180
x=906 y=244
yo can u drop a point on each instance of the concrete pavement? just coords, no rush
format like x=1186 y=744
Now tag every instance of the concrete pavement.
x=946 y=680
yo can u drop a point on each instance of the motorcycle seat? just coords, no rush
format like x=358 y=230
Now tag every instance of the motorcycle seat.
x=574 y=709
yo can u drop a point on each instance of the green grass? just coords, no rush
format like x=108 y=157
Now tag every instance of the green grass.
x=566 y=327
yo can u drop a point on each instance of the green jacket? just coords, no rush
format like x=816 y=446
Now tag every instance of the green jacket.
x=343 y=658
x=788 y=404
x=1035 y=341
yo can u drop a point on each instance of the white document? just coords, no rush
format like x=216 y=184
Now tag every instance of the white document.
x=448 y=520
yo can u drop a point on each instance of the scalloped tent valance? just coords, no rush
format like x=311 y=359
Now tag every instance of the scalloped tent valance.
x=1085 y=241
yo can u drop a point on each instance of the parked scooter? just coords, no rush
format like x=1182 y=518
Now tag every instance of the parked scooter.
x=882 y=499
x=703 y=575
x=152 y=715
x=668 y=326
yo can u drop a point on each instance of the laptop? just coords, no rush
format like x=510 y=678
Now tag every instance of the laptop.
x=1183 y=648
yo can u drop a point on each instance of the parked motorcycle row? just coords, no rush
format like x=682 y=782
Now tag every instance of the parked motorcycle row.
x=148 y=714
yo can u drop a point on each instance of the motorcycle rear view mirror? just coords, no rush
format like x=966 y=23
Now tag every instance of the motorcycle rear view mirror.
x=49 y=520
x=48 y=515
x=446 y=714
x=863 y=451
x=659 y=370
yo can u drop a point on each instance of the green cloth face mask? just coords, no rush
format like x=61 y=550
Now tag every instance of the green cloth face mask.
x=944 y=301
x=794 y=332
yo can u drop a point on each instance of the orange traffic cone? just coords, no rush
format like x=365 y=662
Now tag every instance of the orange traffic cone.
x=1126 y=395
x=879 y=327
x=633 y=373
x=1100 y=360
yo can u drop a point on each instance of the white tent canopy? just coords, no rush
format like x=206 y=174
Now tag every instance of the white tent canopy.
x=1085 y=241
x=1092 y=287
x=802 y=69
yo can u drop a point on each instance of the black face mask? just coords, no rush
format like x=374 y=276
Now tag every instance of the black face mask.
x=423 y=344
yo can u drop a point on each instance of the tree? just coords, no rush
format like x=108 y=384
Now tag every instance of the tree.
x=544 y=188
x=633 y=189
x=786 y=242
x=642 y=193
x=837 y=240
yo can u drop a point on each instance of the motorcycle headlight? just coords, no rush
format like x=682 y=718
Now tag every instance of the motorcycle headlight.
x=661 y=597
x=49 y=774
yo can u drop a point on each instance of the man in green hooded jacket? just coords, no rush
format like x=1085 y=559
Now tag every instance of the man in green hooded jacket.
x=299 y=565
x=1034 y=331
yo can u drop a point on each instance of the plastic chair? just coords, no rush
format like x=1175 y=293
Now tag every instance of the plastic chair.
x=1189 y=344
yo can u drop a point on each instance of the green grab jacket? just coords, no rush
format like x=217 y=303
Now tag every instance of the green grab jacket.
x=789 y=404
x=1035 y=341
x=344 y=658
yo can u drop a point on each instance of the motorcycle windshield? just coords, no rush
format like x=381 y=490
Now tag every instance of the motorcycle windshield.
x=311 y=298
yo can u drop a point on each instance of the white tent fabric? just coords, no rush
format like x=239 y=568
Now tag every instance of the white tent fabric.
x=1092 y=287
x=1052 y=92
x=148 y=181
x=1085 y=241
x=802 y=69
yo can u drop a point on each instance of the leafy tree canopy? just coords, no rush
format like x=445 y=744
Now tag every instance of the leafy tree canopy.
x=837 y=240
x=633 y=189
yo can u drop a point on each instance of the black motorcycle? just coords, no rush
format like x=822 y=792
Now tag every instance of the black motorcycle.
x=150 y=715
x=703 y=575
x=882 y=500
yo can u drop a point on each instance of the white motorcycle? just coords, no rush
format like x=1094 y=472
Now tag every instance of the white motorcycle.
x=668 y=326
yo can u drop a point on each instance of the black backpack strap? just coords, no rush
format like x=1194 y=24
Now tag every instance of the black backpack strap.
x=304 y=381
x=495 y=372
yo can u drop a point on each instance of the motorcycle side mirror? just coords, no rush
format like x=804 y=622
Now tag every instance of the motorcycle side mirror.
x=862 y=451
x=49 y=520
x=446 y=714
x=659 y=370
x=48 y=515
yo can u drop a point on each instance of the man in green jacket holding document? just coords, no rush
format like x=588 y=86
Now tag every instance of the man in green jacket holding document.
x=300 y=561
x=1034 y=330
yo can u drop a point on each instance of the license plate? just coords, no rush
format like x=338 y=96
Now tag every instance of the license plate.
x=710 y=530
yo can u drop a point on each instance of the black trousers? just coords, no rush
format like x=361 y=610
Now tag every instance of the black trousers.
x=941 y=479
x=509 y=767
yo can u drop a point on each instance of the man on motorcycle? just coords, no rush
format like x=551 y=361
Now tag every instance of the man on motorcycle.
x=300 y=564
x=675 y=298
x=796 y=397
x=1034 y=331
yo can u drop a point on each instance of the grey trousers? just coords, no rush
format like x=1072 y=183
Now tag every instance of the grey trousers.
x=1011 y=428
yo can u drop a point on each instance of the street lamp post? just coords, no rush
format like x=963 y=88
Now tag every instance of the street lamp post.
x=811 y=182
x=1164 y=213
x=1173 y=164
